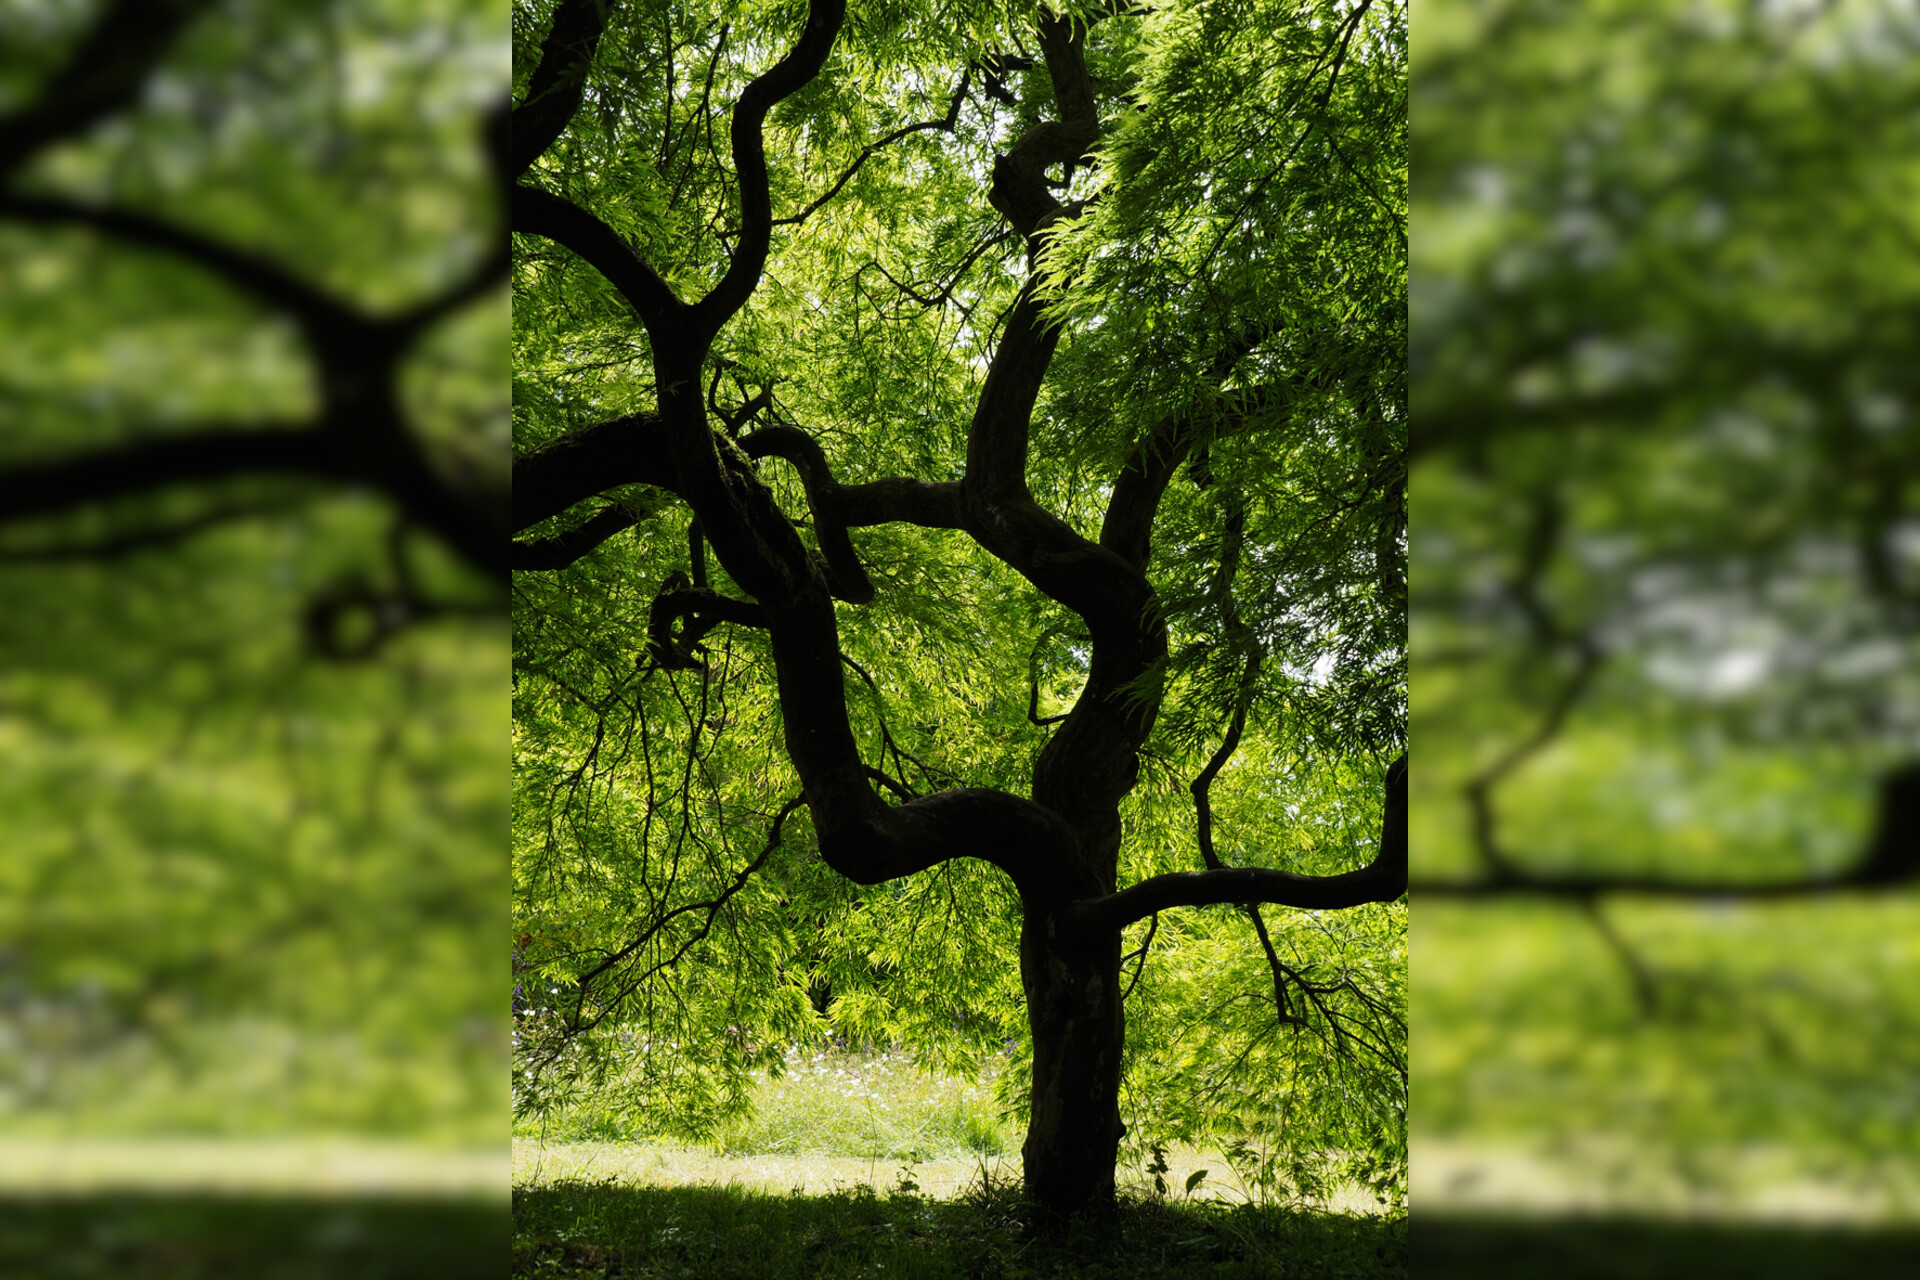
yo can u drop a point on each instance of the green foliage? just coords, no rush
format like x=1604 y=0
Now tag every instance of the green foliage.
x=877 y=1106
x=241 y=886
x=1665 y=608
x=1251 y=201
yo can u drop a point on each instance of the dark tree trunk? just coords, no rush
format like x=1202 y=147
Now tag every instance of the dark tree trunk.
x=1074 y=1011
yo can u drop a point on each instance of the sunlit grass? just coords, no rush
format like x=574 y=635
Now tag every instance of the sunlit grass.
x=836 y=1121
x=875 y=1106
x=878 y=1105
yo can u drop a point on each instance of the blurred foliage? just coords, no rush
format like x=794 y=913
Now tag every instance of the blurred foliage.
x=248 y=888
x=1666 y=580
x=1238 y=200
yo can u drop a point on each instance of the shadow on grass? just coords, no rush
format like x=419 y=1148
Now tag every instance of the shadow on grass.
x=185 y=1237
x=1613 y=1248
x=729 y=1233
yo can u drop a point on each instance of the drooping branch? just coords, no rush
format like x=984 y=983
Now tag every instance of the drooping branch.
x=1128 y=526
x=104 y=75
x=1033 y=679
x=888 y=744
x=1382 y=880
x=712 y=906
x=1233 y=537
x=954 y=276
x=558 y=81
x=943 y=125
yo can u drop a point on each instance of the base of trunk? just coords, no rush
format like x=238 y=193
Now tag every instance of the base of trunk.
x=1074 y=1012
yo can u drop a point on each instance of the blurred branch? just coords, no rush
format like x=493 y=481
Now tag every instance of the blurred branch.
x=37 y=488
x=113 y=546
x=105 y=74
x=1892 y=858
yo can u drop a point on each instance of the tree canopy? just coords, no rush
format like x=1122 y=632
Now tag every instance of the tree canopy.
x=252 y=490
x=959 y=474
x=1666 y=577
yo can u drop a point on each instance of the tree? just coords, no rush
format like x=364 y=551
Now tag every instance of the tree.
x=1088 y=326
x=252 y=548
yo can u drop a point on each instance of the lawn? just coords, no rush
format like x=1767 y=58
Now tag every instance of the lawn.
x=861 y=1164
x=732 y=1233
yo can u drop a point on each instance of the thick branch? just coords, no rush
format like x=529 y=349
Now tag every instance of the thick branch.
x=554 y=91
x=1091 y=762
x=37 y=488
x=845 y=576
x=587 y=461
x=541 y=213
x=105 y=75
x=563 y=549
x=1020 y=189
x=784 y=78
x=860 y=836
x=1236 y=885
x=899 y=499
x=1382 y=880
x=699 y=611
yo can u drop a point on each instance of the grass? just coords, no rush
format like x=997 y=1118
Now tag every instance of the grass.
x=184 y=1235
x=875 y=1106
x=292 y=1208
x=861 y=1165
x=836 y=1120
x=1625 y=1247
x=878 y=1106
x=731 y=1233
